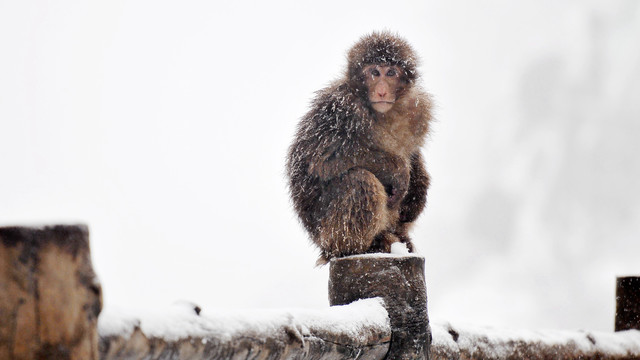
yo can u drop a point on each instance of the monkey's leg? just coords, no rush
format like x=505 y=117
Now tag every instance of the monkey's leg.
x=357 y=211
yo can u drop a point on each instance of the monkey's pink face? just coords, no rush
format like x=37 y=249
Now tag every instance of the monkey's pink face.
x=383 y=84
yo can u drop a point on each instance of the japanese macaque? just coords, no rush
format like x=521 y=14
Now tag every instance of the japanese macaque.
x=356 y=175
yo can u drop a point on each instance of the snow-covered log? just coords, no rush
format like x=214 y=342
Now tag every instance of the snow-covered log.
x=49 y=296
x=378 y=312
x=360 y=330
x=476 y=343
x=399 y=280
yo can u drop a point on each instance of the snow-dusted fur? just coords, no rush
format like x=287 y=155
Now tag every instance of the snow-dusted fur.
x=356 y=177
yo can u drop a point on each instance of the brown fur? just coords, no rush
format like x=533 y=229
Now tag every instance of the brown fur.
x=356 y=176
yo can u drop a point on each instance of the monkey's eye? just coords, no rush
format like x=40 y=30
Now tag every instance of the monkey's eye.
x=375 y=72
x=392 y=72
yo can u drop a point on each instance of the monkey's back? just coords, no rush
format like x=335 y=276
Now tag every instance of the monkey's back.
x=337 y=123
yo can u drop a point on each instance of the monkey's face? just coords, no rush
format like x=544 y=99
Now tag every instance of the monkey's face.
x=384 y=84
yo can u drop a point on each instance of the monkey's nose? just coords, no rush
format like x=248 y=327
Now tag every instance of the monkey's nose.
x=382 y=93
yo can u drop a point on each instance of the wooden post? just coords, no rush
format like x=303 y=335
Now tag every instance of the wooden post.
x=627 y=303
x=49 y=296
x=399 y=280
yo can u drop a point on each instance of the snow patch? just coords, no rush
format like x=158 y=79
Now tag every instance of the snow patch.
x=381 y=255
x=180 y=321
x=356 y=321
x=500 y=342
x=399 y=248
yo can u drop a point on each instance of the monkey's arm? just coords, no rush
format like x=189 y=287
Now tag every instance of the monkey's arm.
x=339 y=132
x=416 y=198
x=391 y=170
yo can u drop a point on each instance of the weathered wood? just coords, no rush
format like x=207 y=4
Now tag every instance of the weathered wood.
x=358 y=330
x=138 y=346
x=484 y=343
x=627 y=303
x=399 y=280
x=49 y=296
x=285 y=335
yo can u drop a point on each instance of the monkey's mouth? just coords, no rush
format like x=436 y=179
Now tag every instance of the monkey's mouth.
x=382 y=106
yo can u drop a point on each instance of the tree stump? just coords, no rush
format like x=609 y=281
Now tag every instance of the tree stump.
x=627 y=303
x=49 y=296
x=399 y=281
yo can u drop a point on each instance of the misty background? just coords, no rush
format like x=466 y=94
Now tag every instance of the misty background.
x=164 y=126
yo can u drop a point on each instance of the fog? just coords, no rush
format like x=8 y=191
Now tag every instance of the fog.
x=164 y=126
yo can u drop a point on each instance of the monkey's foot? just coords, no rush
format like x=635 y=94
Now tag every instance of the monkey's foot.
x=382 y=242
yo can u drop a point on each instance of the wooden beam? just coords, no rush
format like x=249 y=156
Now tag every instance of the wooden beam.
x=360 y=330
x=486 y=343
x=49 y=296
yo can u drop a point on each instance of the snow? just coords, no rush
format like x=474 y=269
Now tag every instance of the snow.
x=383 y=255
x=356 y=321
x=500 y=342
x=180 y=321
x=399 y=248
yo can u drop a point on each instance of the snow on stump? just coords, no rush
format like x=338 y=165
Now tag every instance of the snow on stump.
x=627 y=303
x=400 y=282
x=49 y=296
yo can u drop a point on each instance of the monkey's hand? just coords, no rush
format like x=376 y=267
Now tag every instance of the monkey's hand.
x=394 y=198
x=392 y=171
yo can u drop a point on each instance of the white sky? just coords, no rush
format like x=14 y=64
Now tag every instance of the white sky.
x=164 y=126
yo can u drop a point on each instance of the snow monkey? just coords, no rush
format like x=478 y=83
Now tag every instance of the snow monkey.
x=356 y=175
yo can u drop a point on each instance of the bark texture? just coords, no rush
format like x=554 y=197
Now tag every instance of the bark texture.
x=627 y=303
x=50 y=298
x=267 y=335
x=462 y=343
x=399 y=280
